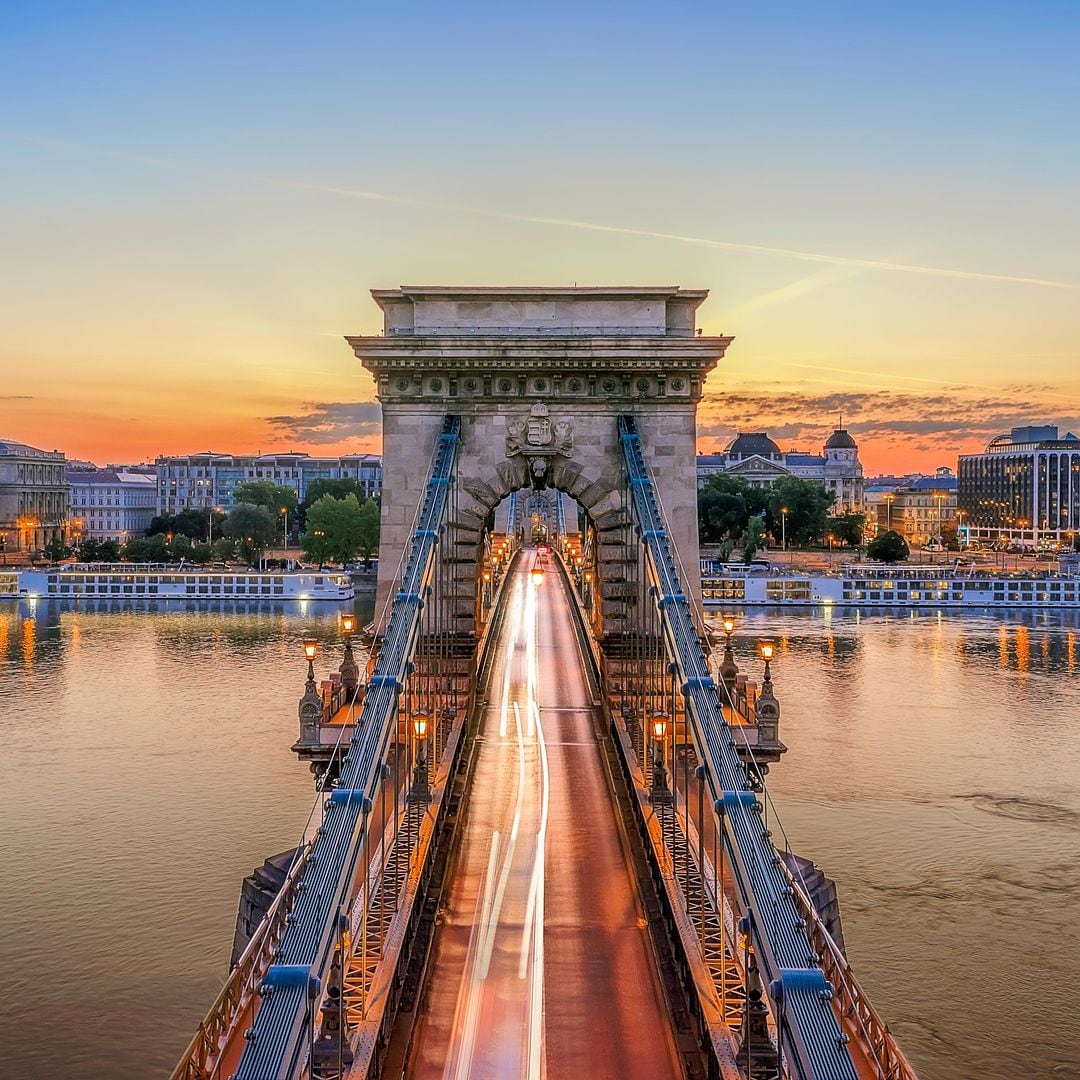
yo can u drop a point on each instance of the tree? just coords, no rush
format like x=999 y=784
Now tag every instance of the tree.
x=755 y=537
x=723 y=511
x=56 y=549
x=848 y=528
x=367 y=540
x=201 y=553
x=252 y=527
x=180 y=547
x=889 y=547
x=318 y=488
x=338 y=529
x=91 y=550
x=147 y=549
x=224 y=548
x=807 y=504
x=276 y=498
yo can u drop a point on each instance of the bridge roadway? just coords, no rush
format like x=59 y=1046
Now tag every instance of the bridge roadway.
x=542 y=964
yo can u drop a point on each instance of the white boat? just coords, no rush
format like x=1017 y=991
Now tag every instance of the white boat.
x=148 y=581
x=873 y=586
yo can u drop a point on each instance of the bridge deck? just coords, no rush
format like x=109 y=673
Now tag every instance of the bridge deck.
x=542 y=965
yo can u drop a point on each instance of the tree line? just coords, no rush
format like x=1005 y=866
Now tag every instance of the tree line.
x=735 y=515
x=335 y=523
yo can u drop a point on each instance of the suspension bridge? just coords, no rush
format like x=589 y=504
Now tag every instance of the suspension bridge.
x=543 y=843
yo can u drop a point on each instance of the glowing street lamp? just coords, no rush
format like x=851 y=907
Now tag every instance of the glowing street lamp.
x=536 y=575
x=421 y=791
x=350 y=671
x=767 y=650
x=729 y=670
x=783 y=526
x=311 y=647
x=659 y=792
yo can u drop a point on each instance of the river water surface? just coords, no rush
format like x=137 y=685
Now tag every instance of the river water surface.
x=934 y=771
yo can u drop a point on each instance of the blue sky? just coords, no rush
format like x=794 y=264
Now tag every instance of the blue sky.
x=207 y=191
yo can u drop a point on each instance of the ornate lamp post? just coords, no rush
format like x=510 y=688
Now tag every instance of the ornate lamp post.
x=729 y=670
x=311 y=647
x=421 y=791
x=310 y=709
x=767 y=708
x=350 y=671
x=783 y=527
x=659 y=792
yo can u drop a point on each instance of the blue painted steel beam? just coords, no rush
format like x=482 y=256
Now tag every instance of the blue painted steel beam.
x=278 y=1040
x=814 y=1046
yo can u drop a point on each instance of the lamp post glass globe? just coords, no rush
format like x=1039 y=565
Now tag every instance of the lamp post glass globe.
x=348 y=624
x=729 y=625
x=420 y=724
x=767 y=649
x=311 y=647
x=659 y=726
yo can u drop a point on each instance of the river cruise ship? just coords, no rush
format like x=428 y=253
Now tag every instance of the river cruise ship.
x=136 y=581
x=873 y=586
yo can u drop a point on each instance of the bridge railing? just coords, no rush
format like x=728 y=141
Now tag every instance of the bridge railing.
x=852 y=1002
x=202 y=1058
x=284 y=1024
x=812 y=1042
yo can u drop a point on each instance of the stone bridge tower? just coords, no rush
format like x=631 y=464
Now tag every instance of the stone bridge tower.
x=539 y=377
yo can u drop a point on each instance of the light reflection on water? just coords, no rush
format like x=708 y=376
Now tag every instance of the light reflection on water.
x=934 y=771
x=146 y=771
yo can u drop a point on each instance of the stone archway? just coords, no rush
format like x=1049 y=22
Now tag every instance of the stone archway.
x=602 y=498
x=539 y=378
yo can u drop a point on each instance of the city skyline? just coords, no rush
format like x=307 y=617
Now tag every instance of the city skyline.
x=880 y=203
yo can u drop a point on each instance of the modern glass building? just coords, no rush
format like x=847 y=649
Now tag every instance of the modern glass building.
x=1024 y=488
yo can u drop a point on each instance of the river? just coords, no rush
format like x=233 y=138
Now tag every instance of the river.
x=934 y=771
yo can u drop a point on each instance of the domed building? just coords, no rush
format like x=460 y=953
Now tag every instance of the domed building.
x=760 y=462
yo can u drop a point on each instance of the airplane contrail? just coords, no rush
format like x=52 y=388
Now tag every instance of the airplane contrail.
x=561 y=222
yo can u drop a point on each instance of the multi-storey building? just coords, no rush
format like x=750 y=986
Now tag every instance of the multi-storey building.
x=920 y=509
x=758 y=460
x=202 y=481
x=116 y=503
x=33 y=496
x=1025 y=487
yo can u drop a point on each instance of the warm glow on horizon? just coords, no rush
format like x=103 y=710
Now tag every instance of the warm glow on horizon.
x=188 y=241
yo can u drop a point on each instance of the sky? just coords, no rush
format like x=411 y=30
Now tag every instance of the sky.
x=196 y=198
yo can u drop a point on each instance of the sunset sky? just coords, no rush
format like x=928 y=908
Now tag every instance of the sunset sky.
x=196 y=198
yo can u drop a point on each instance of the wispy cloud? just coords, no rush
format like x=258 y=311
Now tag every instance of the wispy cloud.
x=945 y=420
x=329 y=422
x=825 y=258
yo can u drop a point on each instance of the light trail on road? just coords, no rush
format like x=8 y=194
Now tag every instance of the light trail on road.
x=532 y=950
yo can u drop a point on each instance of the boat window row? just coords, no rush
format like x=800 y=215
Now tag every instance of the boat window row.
x=149 y=588
x=173 y=579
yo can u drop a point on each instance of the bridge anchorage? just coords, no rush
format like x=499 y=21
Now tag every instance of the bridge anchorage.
x=543 y=844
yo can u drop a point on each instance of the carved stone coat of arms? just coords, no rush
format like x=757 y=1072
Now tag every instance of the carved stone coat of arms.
x=539 y=434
